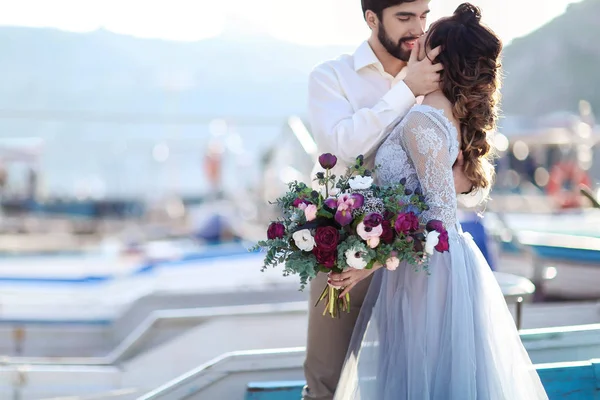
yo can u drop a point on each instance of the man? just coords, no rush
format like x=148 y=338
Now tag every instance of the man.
x=352 y=102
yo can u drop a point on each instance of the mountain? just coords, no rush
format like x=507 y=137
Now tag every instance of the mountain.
x=555 y=67
x=234 y=74
x=245 y=74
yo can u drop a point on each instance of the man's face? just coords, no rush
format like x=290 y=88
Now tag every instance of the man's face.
x=401 y=26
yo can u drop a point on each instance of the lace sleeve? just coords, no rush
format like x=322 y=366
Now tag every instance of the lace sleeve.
x=392 y=162
x=427 y=144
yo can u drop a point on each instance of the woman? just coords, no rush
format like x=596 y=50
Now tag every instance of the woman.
x=445 y=335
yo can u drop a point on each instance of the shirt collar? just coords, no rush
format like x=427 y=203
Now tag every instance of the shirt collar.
x=364 y=56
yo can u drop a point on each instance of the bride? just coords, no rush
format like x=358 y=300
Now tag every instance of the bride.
x=446 y=335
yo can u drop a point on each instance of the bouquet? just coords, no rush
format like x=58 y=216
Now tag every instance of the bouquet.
x=349 y=223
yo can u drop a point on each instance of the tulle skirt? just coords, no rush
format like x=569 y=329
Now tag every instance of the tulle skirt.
x=444 y=336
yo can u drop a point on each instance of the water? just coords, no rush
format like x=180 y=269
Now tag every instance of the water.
x=137 y=160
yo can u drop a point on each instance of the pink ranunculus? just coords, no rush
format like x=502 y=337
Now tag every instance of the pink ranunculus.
x=373 y=242
x=392 y=263
x=310 y=212
x=372 y=220
x=367 y=233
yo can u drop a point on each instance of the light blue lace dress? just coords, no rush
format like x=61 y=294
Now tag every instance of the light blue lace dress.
x=444 y=336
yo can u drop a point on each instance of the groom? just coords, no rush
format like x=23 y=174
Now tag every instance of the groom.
x=352 y=100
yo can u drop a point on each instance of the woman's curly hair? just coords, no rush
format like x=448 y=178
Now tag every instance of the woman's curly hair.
x=471 y=81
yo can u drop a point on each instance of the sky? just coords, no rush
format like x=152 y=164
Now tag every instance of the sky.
x=311 y=22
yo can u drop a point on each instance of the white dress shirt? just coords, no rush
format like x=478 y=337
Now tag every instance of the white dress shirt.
x=352 y=101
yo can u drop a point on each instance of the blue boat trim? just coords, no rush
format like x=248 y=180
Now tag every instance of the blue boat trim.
x=37 y=280
x=274 y=386
x=557 y=253
x=561 y=253
x=562 y=381
x=211 y=253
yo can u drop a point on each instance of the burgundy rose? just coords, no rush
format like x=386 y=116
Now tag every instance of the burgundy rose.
x=275 y=231
x=299 y=201
x=327 y=238
x=387 y=236
x=327 y=160
x=373 y=220
x=326 y=258
x=443 y=244
x=406 y=223
x=435 y=225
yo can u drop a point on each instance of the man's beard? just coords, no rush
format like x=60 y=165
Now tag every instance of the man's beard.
x=394 y=49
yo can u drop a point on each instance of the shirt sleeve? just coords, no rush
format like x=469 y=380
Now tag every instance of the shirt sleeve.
x=344 y=131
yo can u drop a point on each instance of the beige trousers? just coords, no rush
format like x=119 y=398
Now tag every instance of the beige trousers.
x=328 y=340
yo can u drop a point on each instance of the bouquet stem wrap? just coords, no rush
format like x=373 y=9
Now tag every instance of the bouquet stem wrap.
x=334 y=305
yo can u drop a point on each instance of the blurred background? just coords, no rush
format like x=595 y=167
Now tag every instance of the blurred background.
x=140 y=143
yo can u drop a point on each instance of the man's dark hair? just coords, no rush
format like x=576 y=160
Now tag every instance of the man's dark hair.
x=377 y=6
